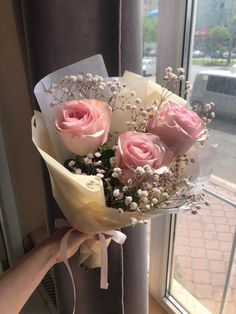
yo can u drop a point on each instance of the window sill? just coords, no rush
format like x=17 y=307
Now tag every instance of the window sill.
x=155 y=307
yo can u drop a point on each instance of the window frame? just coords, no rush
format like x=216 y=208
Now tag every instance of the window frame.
x=174 y=52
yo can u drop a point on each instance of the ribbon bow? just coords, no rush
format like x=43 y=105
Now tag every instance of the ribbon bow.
x=115 y=235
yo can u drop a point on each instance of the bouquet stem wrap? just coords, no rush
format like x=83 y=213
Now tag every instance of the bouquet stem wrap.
x=114 y=235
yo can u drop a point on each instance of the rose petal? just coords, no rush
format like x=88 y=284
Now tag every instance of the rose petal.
x=82 y=144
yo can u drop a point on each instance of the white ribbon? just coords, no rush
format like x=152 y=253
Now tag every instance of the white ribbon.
x=119 y=238
x=115 y=235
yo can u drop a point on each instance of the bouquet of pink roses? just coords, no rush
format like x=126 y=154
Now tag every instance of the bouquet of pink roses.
x=119 y=151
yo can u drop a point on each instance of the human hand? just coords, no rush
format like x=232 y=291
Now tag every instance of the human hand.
x=75 y=240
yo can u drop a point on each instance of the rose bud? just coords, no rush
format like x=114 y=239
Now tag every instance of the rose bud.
x=177 y=127
x=83 y=125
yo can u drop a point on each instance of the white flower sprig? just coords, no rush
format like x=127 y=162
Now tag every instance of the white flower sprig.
x=205 y=111
x=171 y=82
x=114 y=92
x=147 y=189
x=84 y=86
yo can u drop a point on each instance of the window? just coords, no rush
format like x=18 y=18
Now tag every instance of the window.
x=222 y=85
x=150 y=15
x=192 y=260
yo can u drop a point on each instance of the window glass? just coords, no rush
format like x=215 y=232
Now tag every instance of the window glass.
x=203 y=243
x=201 y=255
x=150 y=24
x=222 y=85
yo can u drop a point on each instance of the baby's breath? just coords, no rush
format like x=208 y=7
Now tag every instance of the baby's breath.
x=146 y=189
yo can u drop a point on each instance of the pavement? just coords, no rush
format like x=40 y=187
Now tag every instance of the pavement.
x=202 y=250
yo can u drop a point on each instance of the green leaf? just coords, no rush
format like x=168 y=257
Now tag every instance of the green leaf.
x=105 y=157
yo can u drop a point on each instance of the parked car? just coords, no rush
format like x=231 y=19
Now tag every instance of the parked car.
x=149 y=66
x=225 y=55
x=218 y=86
x=217 y=55
x=149 y=52
x=198 y=54
x=152 y=53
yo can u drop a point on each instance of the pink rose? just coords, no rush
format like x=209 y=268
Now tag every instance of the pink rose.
x=178 y=127
x=83 y=125
x=140 y=149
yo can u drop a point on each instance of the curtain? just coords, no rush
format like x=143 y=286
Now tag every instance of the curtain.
x=54 y=34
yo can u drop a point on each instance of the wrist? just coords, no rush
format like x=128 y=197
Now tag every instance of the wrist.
x=50 y=250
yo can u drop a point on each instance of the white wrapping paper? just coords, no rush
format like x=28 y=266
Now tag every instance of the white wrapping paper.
x=80 y=197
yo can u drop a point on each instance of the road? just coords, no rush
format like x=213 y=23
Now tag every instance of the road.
x=223 y=133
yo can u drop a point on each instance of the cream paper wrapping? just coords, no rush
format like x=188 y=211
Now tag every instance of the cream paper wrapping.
x=147 y=91
x=80 y=197
x=84 y=207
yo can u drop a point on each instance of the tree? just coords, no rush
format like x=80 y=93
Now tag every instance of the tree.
x=231 y=36
x=218 y=38
x=149 y=29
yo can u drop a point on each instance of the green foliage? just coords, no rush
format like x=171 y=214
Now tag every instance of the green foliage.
x=212 y=62
x=105 y=157
x=109 y=181
x=218 y=38
x=233 y=21
x=149 y=29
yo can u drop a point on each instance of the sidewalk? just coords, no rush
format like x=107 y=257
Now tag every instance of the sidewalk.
x=202 y=250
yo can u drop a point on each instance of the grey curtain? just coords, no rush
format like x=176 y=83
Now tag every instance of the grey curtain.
x=54 y=34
